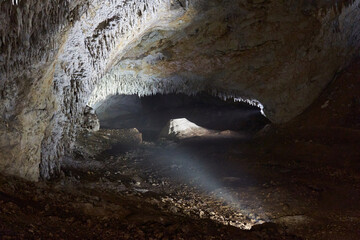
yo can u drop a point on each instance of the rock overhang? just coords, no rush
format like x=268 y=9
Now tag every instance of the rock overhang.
x=60 y=55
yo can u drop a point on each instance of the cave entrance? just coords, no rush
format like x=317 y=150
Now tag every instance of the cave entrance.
x=150 y=114
x=203 y=176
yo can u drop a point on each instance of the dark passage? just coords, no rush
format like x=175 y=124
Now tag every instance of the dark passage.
x=150 y=114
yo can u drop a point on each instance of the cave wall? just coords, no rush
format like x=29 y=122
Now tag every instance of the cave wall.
x=31 y=37
x=52 y=55
x=58 y=56
x=281 y=53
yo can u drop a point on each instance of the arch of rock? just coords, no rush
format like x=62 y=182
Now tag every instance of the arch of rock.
x=57 y=56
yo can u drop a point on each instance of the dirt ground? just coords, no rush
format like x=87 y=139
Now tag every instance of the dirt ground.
x=300 y=180
x=154 y=192
x=134 y=194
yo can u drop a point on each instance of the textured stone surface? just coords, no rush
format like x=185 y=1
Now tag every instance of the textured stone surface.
x=90 y=120
x=181 y=128
x=112 y=140
x=58 y=56
x=282 y=54
x=32 y=36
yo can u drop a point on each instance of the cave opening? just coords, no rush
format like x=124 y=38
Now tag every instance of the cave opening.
x=177 y=149
x=150 y=114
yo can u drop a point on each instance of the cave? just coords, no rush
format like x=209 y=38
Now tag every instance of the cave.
x=150 y=114
x=179 y=119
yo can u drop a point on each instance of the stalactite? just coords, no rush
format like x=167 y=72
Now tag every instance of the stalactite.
x=91 y=46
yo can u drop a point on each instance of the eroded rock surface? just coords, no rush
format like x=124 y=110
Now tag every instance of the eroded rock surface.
x=90 y=120
x=58 y=56
x=106 y=140
x=182 y=128
x=281 y=54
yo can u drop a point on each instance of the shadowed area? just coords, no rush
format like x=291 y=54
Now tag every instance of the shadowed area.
x=150 y=114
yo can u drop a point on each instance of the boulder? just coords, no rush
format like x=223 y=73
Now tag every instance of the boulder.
x=182 y=128
x=90 y=121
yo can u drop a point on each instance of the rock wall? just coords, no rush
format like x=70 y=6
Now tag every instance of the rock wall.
x=91 y=46
x=281 y=53
x=31 y=36
x=52 y=55
x=57 y=56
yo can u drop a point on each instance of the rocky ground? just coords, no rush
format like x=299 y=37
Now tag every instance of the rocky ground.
x=193 y=189
x=126 y=194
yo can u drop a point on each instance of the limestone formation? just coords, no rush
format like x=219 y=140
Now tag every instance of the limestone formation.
x=58 y=56
x=90 y=120
x=182 y=128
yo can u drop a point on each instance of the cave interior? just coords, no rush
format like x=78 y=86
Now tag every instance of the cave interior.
x=180 y=119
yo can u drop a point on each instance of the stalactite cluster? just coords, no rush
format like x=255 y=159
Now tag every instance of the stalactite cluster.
x=58 y=56
x=90 y=48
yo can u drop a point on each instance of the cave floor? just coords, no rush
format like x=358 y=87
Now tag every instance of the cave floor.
x=277 y=185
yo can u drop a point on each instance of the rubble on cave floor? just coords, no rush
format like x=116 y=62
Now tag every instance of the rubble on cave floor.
x=187 y=189
x=241 y=182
